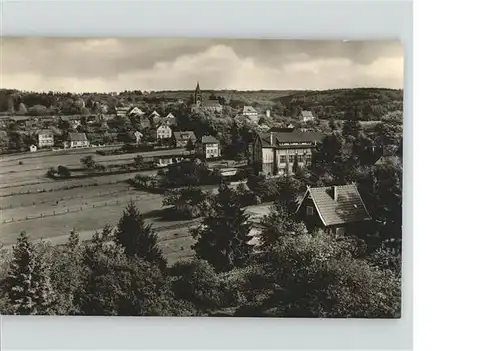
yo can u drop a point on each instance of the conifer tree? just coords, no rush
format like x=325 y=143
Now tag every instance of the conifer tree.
x=224 y=234
x=137 y=238
x=28 y=283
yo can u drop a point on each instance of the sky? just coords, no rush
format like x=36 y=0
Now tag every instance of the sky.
x=117 y=64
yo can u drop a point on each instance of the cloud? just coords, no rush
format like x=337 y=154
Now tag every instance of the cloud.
x=115 y=64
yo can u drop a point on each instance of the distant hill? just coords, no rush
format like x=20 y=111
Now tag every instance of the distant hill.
x=365 y=103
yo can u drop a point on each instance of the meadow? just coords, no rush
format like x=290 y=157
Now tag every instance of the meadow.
x=53 y=208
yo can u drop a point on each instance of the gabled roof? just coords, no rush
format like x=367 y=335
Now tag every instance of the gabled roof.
x=185 y=135
x=346 y=207
x=45 y=131
x=170 y=115
x=135 y=110
x=208 y=139
x=281 y=130
x=249 y=109
x=154 y=114
x=163 y=126
x=306 y=114
x=77 y=137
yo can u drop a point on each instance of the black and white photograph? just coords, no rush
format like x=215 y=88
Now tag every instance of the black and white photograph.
x=199 y=177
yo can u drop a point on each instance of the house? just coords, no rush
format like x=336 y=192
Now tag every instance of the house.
x=45 y=138
x=306 y=116
x=122 y=111
x=136 y=111
x=170 y=119
x=78 y=140
x=182 y=138
x=211 y=146
x=337 y=209
x=250 y=112
x=153 y=115
x=163 y=132
x=163 y=161
x=33 y=148
x=276 y=152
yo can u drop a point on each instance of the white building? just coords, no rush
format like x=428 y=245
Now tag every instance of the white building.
x=163 y=132
x=306 y=116
x=78 y=140
x=211 y=147
x=249 y=111
x=45 y=138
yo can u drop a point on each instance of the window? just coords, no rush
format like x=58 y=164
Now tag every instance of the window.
x=309 y=210
x=283 y=159
x=300 y=158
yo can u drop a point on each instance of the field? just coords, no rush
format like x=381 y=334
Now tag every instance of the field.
x=48 y=209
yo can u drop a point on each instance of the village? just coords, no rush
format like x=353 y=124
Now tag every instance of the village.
x=152 y=141
x=263 y=165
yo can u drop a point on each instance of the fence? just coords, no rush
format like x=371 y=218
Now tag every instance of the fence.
x=63 y=198
x=80 y=208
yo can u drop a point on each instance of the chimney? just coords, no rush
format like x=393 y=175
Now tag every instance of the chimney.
x=334 y=193
x=271 y=138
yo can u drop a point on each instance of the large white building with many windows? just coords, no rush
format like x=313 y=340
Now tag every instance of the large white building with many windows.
x=276 y=152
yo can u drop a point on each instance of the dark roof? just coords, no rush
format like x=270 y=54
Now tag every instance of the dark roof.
x=208 y=139
x=77 y=137
x=295 y=136
x=281 y=130
x=346 y=208
x=185 y=135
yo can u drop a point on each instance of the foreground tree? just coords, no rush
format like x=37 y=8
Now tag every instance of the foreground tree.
x=315 y=276
x=137 y=238
x=278 y=223
x=28 y=285
x=66 y=273
x=119 y=285
x=222 y=238
x=190 y=202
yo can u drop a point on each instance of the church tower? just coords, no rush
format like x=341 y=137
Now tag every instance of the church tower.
x=197 y=95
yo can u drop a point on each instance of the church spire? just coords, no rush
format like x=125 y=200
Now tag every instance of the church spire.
x=197 y=95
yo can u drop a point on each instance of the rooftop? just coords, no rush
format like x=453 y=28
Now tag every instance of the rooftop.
x=295 y=136
x=185 y=135
x=208 y=139
x=249 y=109
x=77 y=137
x=346 y=207
x=307 y=114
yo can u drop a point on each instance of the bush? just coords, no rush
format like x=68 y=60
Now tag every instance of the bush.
x=63 y=171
